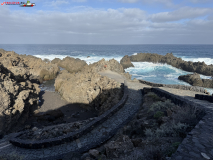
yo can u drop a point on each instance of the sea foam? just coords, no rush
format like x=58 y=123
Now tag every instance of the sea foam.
x=208 y=61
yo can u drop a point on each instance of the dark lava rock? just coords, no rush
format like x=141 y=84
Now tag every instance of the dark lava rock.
x=169 y=58
x=195 y=80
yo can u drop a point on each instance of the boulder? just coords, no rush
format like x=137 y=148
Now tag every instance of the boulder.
x=56 y=61
x=90 y=88
x=145 y=57
x=72 y=64
x=37 y=67
x=102 y=65
x=126 y=62
x=195 y=80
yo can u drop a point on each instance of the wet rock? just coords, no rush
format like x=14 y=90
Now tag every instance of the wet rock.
x=195 y=80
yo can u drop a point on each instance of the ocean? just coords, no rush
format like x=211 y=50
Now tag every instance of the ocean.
x=158 y=73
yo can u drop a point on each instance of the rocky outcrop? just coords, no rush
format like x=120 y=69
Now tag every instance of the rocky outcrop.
x=126 y=62
x=90 y=88
x=21 y=65
x=195 y=80
x=40 y=68
x=169 y=58
x=56 y=60
x=70 y=64
x=102 y=65
x=17 y=100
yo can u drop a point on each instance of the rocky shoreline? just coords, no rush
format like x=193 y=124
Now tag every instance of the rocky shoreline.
x=78 y=83
x=195 y=80
x=169 y=58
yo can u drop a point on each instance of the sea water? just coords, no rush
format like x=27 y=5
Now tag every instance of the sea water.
x=153 y=72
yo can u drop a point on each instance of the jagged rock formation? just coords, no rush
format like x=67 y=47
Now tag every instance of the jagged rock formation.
x=18 y=98
x=70 y=64
x=90 y=88
x=195 y=80
x=28 y=65
x=126 y=62
x=169 y=58
x=56 y=60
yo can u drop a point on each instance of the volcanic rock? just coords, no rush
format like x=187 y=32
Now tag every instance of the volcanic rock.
x=22 y=65
x=195 y=80
x=125 y=62
x=169 y=58
x=56 y=60
x=102 y=65
x=17 y=100
x=90 y=88
x=71 y=64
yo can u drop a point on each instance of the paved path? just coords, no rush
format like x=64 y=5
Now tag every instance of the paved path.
x=198 y=145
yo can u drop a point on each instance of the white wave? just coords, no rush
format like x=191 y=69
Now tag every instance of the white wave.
x=51 y=57
x=205 y=77
x=210 y=90
x=208 y=61
x=134 y=53
x=149 y=66
x=171 y=76
x=93 y=59
x=149 y=76
x=89 y=60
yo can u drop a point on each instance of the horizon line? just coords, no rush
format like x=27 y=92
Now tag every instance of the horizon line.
x=108 y=44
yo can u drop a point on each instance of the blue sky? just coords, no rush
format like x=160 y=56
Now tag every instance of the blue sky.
x=108 y=22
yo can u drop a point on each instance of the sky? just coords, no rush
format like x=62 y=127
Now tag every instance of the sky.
x=108 y=22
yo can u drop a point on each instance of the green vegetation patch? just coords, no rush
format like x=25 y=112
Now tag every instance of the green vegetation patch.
x=158 y=114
